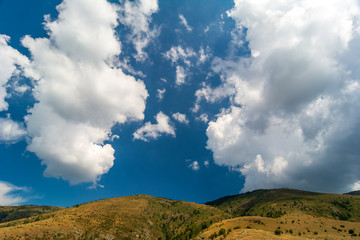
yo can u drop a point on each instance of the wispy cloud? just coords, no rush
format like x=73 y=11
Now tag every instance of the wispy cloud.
x=137 y=16
x=10 y=194
x=11 y=131
x=160 y=93
x=180 y=117
x=184 y=22
x=194 y=166
x=181 y=75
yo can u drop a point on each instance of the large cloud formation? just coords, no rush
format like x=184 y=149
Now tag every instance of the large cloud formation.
x=80 y=93
x=294 y=118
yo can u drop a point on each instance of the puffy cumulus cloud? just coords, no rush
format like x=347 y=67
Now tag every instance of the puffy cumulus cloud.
x=356 y=186
x=11 y=63
x=10 y=131
x=153 y=131
x=294 y=118
x=180 y=117
x=194 y=166
x=136 y=15
x=184 y=22
x=8 y=194
x=80 y=94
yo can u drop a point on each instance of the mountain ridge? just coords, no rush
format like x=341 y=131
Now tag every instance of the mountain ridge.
x=257 y=214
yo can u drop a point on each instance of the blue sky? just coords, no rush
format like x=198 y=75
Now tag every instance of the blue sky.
x=190 y=100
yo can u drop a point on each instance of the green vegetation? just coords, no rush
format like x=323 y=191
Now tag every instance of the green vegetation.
x=11 y=213
x=299 y=213
x=140 y=216
x=276 y=203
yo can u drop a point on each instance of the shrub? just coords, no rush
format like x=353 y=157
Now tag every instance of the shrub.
x=278 y=232
x=212 y=236
x=222 y=231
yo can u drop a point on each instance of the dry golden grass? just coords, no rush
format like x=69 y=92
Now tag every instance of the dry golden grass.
x=292 y=226
x=301 y=215
x=134 y=217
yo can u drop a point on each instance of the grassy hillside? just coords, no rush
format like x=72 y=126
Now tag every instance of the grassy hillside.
x=275 y=203
x=290 y=226
x=10 y=213
x=261 y=214
x=134 y=217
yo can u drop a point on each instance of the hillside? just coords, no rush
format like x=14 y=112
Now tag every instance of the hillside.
x=10 y=213
x=356 y=193
x=261 y=214
x=133 y=217
x=275 y=203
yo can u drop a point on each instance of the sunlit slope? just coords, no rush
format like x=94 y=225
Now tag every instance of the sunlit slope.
x=134 y=217
x=289 y=226
x=279 y=202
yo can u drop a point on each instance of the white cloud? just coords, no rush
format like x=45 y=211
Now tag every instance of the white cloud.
x=80 y=93
x=11 y=63
x=206 y=163
x=176 y=54
x=213 y=94
x=180 y=117
x=194 y=166
x=125 y=65
x=356 y=186
x=153 y=131
x=179 y=55
x=294 y=116
x=206 y=29
x=184 y=22
x=181 y=75
x=203 y=55
x=10 y=131
x=9 y=194
x=203 y=117
x=137 y=16
x=160 y=93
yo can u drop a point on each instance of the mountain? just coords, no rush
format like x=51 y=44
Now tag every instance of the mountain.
x=133 y=217
x=261 y=214
x=356 y=193
x=279 y=202
x=286 y=214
